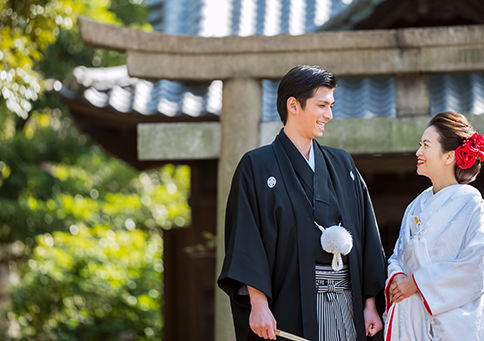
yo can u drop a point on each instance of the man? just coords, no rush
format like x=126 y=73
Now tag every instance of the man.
x=275 y=271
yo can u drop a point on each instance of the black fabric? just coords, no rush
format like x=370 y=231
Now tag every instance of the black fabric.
x=270 y=236
x=303 y=171
x=326 y=210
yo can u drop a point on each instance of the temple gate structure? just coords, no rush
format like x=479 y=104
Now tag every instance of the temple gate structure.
x=379 y=145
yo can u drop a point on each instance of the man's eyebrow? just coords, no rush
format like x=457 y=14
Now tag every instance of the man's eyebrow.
x=322 y=100
x=426 y=140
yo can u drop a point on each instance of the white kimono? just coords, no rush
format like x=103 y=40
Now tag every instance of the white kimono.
x=441 y=244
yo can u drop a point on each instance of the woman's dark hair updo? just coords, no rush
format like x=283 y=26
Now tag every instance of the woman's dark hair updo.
x=453 y=128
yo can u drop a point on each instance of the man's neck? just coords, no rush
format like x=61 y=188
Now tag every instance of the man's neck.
x=301 y=143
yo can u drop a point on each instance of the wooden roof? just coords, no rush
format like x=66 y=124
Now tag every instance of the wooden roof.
x=391 y=14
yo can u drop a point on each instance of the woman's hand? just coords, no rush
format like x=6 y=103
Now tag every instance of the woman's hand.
x=261 y=320
x=373 y=322
x=402 y=287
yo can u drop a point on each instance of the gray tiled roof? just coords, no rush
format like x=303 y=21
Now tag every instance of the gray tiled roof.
x=355 y=97
x=113 y=87
x=103 y=87
x=459 y=92
x=365 y=97
x=185 y=17
x=350 y=15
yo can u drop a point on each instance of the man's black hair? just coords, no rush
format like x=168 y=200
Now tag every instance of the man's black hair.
x=301 y=82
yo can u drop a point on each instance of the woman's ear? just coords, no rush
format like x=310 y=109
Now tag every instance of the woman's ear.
x=450 y=157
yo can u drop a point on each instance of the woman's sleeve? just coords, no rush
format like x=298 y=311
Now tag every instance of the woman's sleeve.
x=394 y=268
x=447 y=285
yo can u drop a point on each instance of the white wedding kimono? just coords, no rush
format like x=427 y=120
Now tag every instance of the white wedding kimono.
x=441 y=244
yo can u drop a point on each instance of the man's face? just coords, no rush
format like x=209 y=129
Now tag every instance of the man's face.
x=310 y=121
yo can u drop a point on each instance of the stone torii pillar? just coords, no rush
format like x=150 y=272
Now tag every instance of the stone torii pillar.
x=240 y=124
x=241 y=62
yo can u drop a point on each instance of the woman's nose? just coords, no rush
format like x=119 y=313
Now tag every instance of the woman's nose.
x=418 y=152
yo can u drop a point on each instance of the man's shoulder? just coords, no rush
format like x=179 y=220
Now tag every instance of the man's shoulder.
x=337 y=156
x=259 y=154
x=254 y=160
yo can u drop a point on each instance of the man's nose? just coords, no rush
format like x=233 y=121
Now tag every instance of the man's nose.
x=329 y=114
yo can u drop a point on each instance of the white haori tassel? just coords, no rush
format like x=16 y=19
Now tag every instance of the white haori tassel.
x=338 y=241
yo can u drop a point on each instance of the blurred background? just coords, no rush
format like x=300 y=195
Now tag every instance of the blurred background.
x=80 y=230
x=98 y=245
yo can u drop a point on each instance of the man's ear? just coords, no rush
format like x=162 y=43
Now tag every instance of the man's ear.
x=292 y=105
x=450 y=157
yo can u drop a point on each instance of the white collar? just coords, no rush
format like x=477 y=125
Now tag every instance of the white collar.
x=311 y=156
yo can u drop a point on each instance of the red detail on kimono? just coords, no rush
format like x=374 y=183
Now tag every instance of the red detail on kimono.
x=423 y=297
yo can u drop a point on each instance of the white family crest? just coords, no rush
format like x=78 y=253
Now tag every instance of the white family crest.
x=352 y=175
x=271 y=182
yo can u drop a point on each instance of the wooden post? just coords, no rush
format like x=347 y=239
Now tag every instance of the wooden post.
x=240 y=132
x=412 y=96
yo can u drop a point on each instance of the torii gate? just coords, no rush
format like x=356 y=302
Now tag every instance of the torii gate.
x=242 y=62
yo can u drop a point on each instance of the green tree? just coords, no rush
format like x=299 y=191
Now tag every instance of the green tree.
x=29 y=27
x=81 y=229
x=90 y=284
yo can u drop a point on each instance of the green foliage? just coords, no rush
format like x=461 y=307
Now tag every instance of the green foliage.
x=89 y=226
x=90 y=284
x=44 y=188
x=29 y=27
x=81 y=228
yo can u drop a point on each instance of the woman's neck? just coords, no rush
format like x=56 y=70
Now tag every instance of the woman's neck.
x=441 y=183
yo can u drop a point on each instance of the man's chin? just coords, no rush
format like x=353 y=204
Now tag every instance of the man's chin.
x=318 y=135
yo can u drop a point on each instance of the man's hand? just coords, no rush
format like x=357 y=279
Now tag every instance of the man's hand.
x=373 y=322
x=261 y=320
x=402 y=287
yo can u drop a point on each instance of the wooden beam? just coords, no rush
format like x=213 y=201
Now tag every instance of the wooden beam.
x=358 y=62
x=195 y=141
x=157 y=55
x=366 y=136
x=179 y=141
x=113 y=37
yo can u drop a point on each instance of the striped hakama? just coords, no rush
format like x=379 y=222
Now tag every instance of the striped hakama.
x=334 y=304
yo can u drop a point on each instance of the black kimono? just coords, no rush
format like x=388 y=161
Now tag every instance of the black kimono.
x=270 y=234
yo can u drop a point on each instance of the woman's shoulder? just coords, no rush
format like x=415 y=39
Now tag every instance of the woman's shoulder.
x=470 y=193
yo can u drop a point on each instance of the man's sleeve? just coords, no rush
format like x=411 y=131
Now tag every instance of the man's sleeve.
x=245 y=260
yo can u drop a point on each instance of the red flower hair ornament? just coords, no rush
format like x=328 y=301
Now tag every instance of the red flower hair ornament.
x=471 y=150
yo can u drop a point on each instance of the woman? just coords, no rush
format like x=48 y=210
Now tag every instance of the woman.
x=436 y=273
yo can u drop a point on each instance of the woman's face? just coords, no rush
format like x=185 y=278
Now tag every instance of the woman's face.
x=430 y=158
